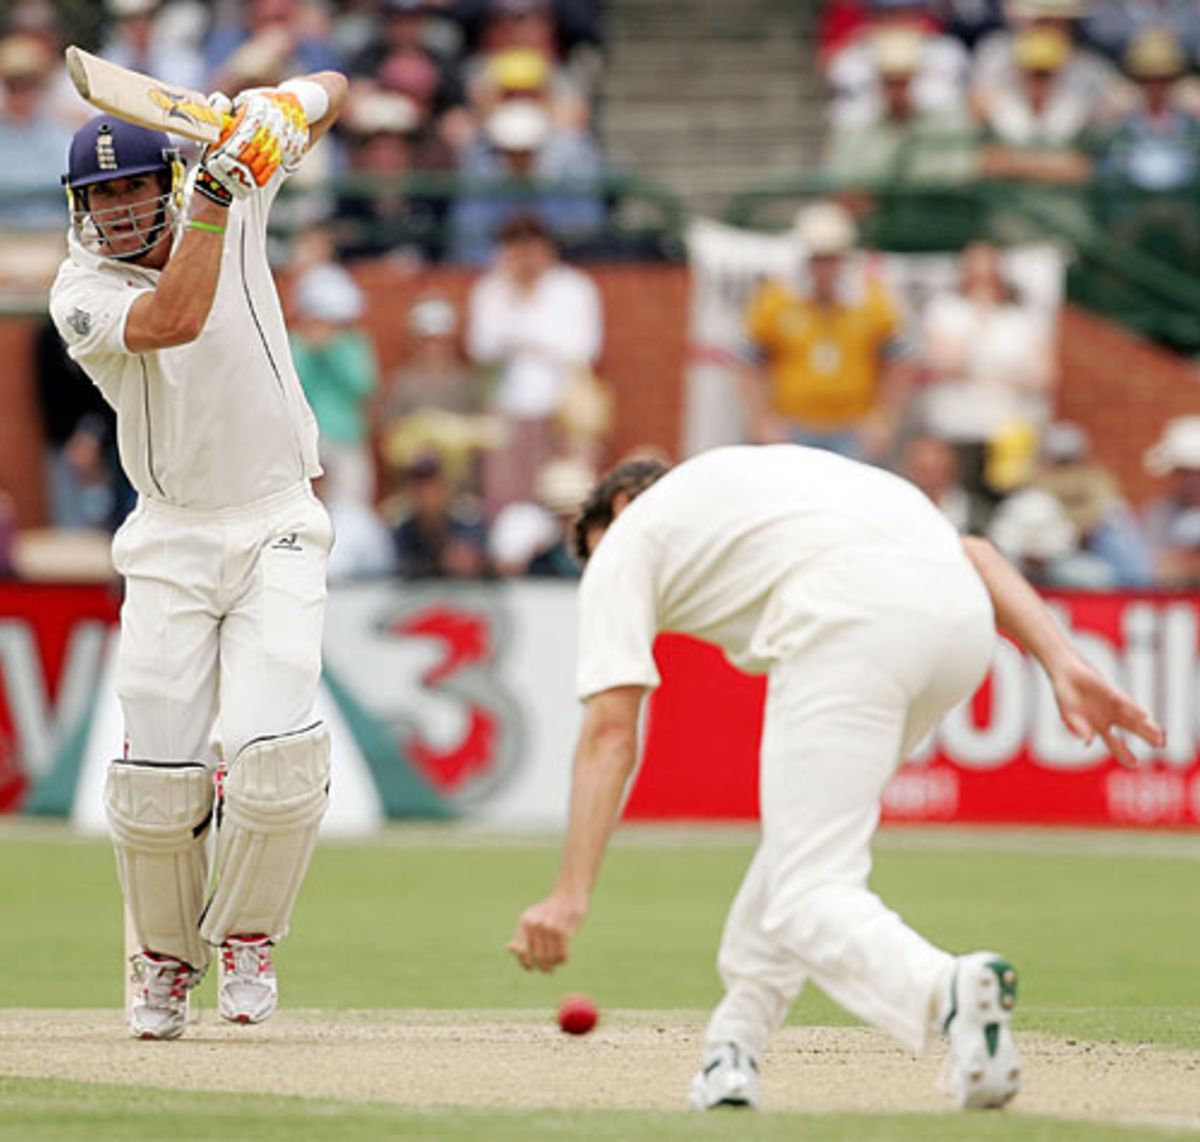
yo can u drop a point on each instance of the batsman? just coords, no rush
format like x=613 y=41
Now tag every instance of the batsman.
x=166 y=300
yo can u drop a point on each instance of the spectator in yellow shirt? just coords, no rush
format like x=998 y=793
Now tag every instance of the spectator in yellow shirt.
x=824 y=363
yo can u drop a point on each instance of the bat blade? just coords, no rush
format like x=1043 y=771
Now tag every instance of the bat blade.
x=141 y=99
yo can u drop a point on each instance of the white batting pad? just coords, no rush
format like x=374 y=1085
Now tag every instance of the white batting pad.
x=159 y=815
x=275 y=793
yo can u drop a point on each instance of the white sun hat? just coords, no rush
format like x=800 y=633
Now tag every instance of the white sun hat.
x=1178 y=447
x=825 y=229
x=328 y=293
x=1033 y=525
x=518 y=125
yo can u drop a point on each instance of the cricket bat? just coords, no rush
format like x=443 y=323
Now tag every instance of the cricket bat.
x=143 y=100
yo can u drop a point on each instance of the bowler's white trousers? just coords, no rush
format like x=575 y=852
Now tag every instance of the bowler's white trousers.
x=222 y=622
x=894 y=645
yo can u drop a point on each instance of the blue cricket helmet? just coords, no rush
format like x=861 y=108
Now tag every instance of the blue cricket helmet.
x=107 y=147
x=104 y=148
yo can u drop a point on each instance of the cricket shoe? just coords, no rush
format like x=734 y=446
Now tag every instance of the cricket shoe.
x=982 y=1065
x=729 y=1077
x=160 y=1003
x=248 y=991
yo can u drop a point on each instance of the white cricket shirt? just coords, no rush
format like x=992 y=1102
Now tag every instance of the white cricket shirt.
x=221 y=422
x=705 y=550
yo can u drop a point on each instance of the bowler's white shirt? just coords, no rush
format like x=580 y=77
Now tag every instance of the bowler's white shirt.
x=705 y=550
x=536 y=338
x=221 y=422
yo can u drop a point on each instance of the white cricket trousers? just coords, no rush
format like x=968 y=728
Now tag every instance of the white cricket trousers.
x=854 y=690
x=221 y=624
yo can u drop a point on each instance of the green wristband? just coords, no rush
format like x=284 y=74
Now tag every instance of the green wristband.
x=207 y=227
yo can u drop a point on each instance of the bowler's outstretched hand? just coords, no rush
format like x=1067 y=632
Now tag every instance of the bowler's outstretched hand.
x=543 y=933
x=1090 y=706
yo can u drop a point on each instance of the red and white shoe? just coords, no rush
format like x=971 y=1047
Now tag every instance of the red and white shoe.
x=160 y=1004
x=248 y=991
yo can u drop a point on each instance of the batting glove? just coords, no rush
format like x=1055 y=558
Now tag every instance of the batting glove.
x=249 y=151
x=293 y=129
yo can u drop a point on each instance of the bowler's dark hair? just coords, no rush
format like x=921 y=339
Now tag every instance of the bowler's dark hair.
x=630 y=478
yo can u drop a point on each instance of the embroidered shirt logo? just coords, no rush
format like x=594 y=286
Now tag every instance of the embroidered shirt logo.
x=287 y=542
x=80 y=321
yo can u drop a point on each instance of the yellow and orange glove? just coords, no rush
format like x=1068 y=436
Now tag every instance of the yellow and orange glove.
x=265 y=129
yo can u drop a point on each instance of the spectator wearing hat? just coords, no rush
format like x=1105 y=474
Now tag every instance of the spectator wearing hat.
x=335 y=361
x=1111 y=26
x=854 y=79
x=1148 y=162
x=1175 y=458
x=823 y=361
x=157 y=39
x=1032 y=528
x=990 y=363
x=525 y=162
x=1156 y=146
x=901 y=142
x=402 y=57
x=534 y=539
x=377 y=214
x=440 y=535
x=33 y=141
x=433 y=374
x=566 y=33
x=1036 y=124
x=1037 y=92
x=1091 y=497
x=535 y=323
x=432 y=400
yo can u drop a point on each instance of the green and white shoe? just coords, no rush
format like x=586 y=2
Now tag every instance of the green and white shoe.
x=728 y=1077
x=983 y=1068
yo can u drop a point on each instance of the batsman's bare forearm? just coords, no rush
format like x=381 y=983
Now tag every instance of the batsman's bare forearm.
x=336 y=86
x=1020 y=611
x=604 y=760
x=174 y=313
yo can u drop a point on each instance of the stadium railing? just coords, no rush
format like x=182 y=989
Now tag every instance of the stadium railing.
x=640 y=220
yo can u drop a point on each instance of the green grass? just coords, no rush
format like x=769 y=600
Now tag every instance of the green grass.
x=1106 y=946
x=35 y=1109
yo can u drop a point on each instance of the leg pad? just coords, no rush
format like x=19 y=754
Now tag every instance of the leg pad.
x=159 y=814
x=275 y=794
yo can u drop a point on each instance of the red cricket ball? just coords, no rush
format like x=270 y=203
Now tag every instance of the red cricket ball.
x=577 y=1015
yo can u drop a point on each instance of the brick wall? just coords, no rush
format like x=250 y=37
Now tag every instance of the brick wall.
x=21 y=473
x=1120 y=388
x=645 y=332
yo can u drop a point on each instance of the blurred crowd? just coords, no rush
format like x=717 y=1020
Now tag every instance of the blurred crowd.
x=1089 y=109
x=445 y=93
x=468 y=457
x=960 y=398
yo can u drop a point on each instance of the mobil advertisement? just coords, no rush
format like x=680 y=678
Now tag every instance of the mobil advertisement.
x=1002 y=757
x=456 y=702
